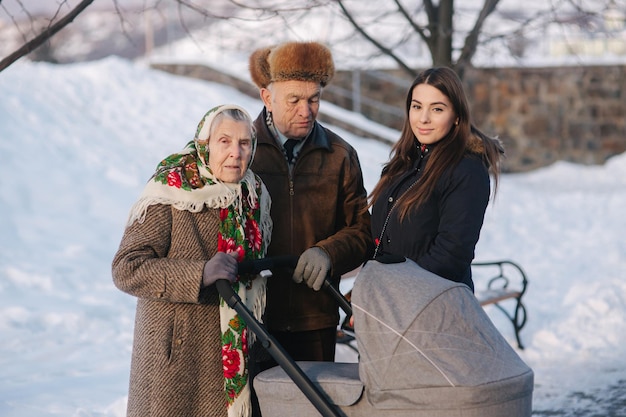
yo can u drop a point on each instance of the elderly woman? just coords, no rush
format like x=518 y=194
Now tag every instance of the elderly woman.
x=201 y=212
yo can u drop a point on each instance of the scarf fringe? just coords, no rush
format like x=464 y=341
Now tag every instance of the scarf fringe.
x=266 y=221
x=140 y=208
x=257 y=306
x=254 y=300
x=242 y=407
x=218 y=195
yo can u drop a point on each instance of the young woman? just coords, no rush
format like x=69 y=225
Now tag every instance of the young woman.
x=430 y=201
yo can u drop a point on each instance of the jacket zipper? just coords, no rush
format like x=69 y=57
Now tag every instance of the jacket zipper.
x=379 y=241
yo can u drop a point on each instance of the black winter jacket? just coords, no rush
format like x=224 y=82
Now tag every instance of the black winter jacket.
x=440 y=235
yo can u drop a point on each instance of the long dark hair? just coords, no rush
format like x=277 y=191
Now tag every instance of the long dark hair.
x=449 y=150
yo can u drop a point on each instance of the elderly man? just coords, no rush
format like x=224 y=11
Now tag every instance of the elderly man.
x=318 y=198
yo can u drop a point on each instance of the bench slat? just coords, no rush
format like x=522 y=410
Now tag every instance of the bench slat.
x=494 y=296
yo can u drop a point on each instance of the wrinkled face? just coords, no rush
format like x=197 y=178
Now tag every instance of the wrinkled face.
x=431 y=114
x=294 y=106
x=230 y=149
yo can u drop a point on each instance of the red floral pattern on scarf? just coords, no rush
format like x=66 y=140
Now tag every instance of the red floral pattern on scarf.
x=241 y=234
x=173 y=179
x=231 y=361
x=253 y=235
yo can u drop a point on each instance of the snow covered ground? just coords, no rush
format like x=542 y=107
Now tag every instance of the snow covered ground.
x=77 y=142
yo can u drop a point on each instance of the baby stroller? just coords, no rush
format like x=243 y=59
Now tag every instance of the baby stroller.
x=427 y=349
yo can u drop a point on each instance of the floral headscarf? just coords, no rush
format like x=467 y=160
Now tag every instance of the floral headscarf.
x=185 y=181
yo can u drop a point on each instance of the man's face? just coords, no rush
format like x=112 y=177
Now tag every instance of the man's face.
x=294 y=106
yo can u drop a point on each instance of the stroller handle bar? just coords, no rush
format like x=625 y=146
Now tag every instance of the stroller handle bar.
x=338 y=296
x=310 y=390
x=255 y=266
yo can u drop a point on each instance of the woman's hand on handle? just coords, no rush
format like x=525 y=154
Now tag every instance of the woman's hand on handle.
x=220 y=266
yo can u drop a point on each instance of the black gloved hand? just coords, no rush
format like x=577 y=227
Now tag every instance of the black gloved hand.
x=312 y=268
x=220 y=266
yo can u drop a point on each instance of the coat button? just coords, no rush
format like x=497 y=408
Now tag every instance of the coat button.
x=179 y=342
x=390 y=199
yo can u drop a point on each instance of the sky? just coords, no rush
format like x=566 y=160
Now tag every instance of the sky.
x=78 y=142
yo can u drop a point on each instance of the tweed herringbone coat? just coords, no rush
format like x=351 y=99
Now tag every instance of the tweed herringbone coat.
x=176 y=367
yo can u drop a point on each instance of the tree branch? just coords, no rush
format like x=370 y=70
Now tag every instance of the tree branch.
x=471 y=40
x=431 y=14
x=408 y=18
x=430 y=10
x=44 y=35
x=378 y=45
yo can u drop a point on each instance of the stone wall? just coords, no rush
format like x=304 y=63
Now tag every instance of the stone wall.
x=576 y=114
x=542 y=115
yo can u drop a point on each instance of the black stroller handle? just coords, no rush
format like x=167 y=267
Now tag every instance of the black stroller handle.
x=338 y=296
x=254 y=266
x=315 y=396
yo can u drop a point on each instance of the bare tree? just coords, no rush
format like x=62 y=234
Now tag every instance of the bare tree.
x=453 y=32
x=445 y=32
x=47 y=33
x=35 y=29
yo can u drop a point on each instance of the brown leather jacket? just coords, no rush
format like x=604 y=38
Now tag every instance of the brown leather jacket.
x=319 y=204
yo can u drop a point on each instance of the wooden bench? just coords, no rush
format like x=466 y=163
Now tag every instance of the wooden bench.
x=498 y=289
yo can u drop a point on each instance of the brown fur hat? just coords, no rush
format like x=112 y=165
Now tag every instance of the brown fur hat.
x=300 y=61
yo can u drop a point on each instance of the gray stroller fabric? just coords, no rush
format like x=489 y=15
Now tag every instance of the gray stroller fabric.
x=340 y=382
x=427 y=349
x=426 y=343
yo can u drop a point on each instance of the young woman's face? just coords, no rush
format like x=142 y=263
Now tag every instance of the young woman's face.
x=230 y=148
x=431 y=114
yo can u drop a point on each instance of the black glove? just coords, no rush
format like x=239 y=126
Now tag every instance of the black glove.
x=312 y=268
x=220 y=266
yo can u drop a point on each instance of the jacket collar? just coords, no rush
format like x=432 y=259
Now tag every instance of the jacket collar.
x=316 y=139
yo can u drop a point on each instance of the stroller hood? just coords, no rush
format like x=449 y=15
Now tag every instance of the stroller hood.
x=426 y=341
